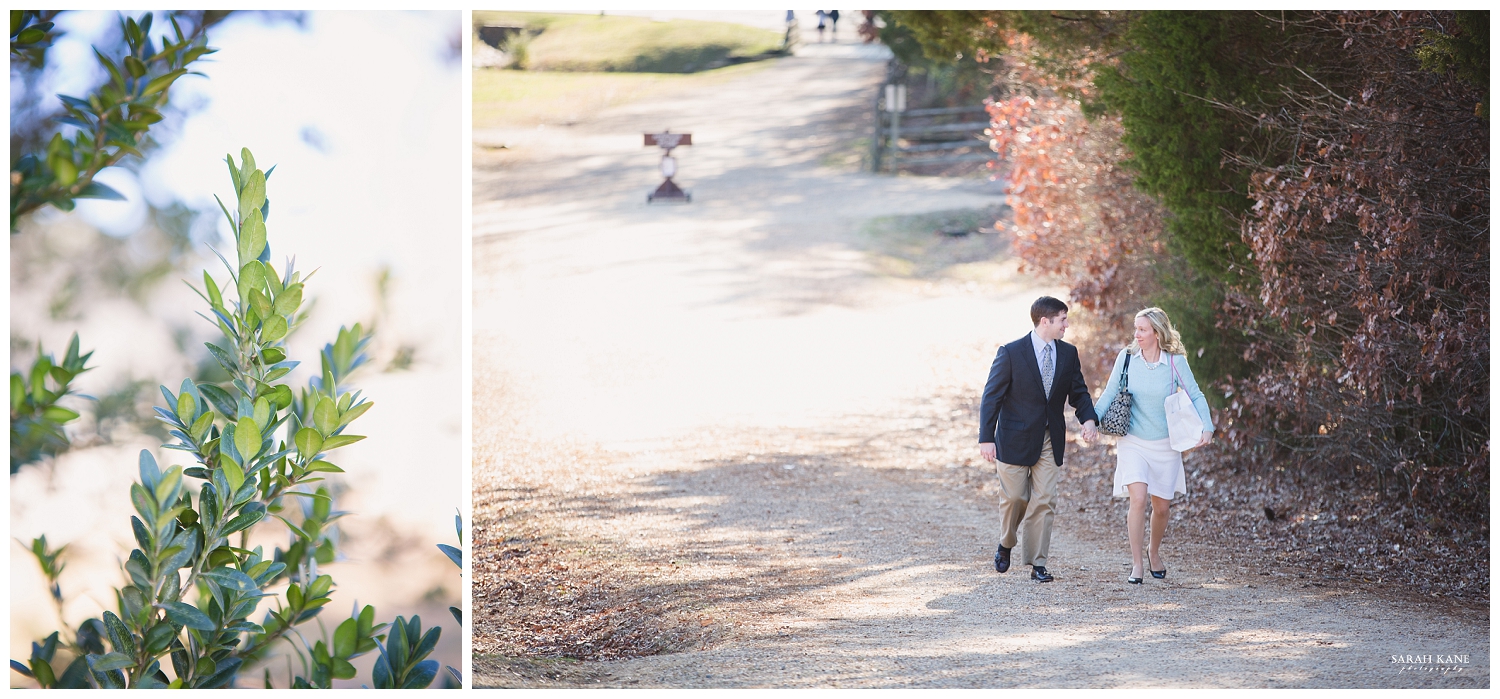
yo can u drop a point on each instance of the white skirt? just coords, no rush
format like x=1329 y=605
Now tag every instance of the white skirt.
x=1153 y=462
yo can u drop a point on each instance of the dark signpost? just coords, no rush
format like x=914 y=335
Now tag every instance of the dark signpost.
x=668 y=191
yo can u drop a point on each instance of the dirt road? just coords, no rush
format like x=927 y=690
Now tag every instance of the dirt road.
x=755 y=415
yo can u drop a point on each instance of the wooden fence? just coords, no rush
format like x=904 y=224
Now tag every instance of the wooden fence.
x=917 y=137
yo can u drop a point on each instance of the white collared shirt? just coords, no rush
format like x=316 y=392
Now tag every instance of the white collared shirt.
x=1037 y=345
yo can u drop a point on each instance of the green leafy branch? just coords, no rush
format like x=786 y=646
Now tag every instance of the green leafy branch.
x=36 y=420
x=31 y=35
x=112 y=121
x=184 y=547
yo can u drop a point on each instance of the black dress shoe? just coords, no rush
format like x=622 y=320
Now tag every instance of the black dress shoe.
x=1040 y=574
x=1002 y=560
x=1134 y=581
x=1159 y=574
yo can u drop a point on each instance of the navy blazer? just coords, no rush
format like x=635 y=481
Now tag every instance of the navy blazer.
x=1015 y=413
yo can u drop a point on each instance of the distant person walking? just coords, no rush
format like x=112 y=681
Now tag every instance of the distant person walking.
x=1147 y=462
x=822 y=24
x=833 y=19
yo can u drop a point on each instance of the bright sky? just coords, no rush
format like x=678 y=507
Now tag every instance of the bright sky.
x=360 y=112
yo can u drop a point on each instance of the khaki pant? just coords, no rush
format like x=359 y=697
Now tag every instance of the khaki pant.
x=1027 y=493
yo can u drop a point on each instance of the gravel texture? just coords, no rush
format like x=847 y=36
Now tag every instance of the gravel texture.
x=731 y=444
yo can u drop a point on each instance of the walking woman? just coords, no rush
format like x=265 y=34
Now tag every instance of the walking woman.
x=1155 y=366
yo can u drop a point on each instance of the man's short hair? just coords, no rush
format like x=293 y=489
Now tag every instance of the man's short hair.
x=1046 y=307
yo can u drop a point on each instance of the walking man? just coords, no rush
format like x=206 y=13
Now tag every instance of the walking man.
x=1021 y=427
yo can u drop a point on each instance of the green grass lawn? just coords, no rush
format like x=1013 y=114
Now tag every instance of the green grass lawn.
x=507 y=98
x=599 y=43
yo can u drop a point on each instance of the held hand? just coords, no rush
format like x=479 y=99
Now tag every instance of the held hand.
x=987 y=450
x=1090 y=432
x=1207 y=437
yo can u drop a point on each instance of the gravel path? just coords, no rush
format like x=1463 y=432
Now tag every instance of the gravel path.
x=746 y=402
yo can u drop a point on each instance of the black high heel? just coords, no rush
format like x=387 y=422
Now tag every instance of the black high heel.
x=1159 y=574
x=1134 y=581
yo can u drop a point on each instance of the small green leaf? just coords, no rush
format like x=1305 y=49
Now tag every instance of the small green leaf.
x=29 y=35
x=60 y=375
x=163 y=82
x=226 y=360
x=142 y=535
x=282 y=397
x=59 y=414
x=252 y=238
x=324 y=467
x=119 y=634
x=260 y=303
x=214 y=297
x=188 y=615
x=244 y=520
x=187 y=407
x=320 y=586
x=144 y=502
x=453 y=554
x=150 y=472
x=114 y=72
x=326 y=415
x=247 y=165
x=262 y=413
x=200 y=428
x=273 y=329
x=232 y=471
x=166 y=489
x=346 y=638
x=111 y=661
x=253 y=196
x=220 y=398
x=421 y=676
x=308 y=442
x=43 y=671
x=231 y=579
x=289 y=300
x=246 y=441
x=64 y=171
x=340 y=440
x=354 y=412
x=342 y=669
x=159 y=637
x=252 y=278
x=234 y=175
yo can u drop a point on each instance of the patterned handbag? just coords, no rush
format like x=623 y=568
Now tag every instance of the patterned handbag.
x=1116 y=420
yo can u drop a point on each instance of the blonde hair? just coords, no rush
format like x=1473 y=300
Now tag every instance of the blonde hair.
x=1166 y=335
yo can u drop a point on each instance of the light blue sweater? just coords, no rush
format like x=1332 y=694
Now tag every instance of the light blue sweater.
x=1149 y=389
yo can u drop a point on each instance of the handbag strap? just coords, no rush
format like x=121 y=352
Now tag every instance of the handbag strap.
x=1125 y=373
x=1176 y=379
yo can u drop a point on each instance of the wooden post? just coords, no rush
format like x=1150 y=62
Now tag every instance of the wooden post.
x=895 y=103
x=877 y=148
x=668 y=191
